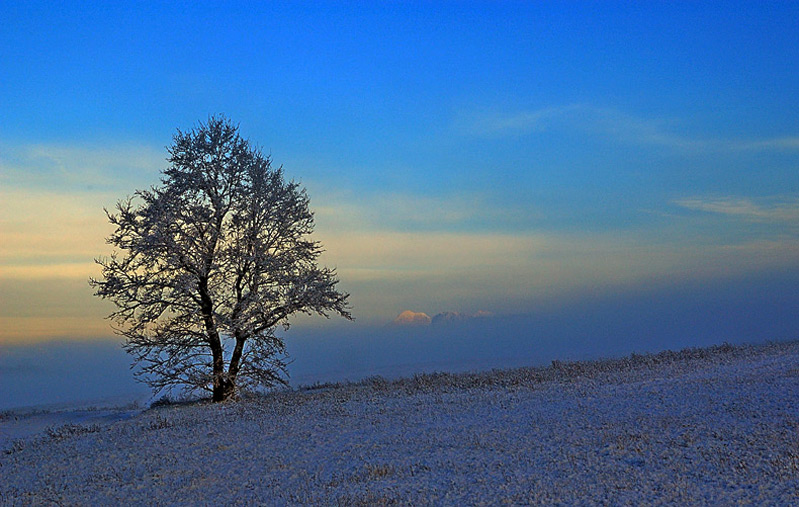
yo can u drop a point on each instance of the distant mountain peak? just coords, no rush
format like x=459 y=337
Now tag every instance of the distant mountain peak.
x=410 y=318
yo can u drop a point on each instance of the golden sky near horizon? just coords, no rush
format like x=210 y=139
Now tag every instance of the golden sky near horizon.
x=50 y=239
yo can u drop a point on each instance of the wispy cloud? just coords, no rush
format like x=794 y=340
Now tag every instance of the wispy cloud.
x=614 y=125
x=775 y=209
x=497 y=123
x=346 y=211
x=777 y=143
x=72 y=167
x=602 y=122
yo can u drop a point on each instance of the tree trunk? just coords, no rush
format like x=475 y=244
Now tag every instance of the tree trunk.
x=222 y=388
x=226 y=391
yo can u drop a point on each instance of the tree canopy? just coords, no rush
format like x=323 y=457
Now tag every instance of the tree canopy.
x=211 y=262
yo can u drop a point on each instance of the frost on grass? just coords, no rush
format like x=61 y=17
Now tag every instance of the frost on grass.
x=71 y=430
x=709 y=426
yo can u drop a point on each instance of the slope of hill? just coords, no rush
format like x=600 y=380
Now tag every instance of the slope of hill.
x=710 y=426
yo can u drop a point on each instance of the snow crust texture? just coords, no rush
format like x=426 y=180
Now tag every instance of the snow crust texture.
x=712 y=426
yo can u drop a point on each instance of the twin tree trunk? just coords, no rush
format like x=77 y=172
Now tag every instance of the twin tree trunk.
x=224 y=384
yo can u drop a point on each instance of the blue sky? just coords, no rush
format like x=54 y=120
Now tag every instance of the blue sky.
x=460 y=155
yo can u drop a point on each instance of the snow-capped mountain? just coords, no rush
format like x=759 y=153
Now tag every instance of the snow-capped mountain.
x=410 y=318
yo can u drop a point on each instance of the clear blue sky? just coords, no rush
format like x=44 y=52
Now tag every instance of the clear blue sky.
x=460 y=155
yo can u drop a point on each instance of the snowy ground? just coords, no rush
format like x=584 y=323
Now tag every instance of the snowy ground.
x=712 y=426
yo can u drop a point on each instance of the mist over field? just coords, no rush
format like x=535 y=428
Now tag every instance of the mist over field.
x=745 y=310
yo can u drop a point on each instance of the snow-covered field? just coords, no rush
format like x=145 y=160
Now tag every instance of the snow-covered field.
x=709 y=426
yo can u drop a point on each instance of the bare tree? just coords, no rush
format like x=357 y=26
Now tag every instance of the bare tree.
x=212 y=261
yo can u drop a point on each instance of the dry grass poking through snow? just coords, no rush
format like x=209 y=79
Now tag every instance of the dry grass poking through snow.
x=713 y=426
